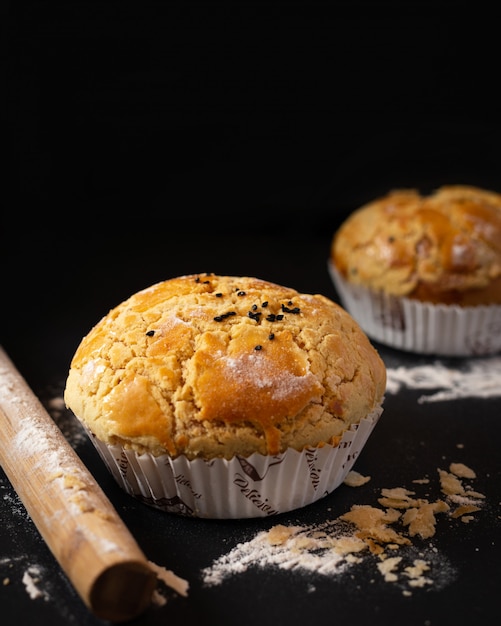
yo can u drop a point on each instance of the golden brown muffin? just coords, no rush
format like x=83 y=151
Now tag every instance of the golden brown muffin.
x=444 y=248
x=211 y=366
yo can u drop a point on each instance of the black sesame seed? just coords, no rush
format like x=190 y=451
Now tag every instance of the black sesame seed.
x=271 y=336
x=219 y=295
x=150 y=333
x=220 y=318
x=254 y=307
x=254 y=316
x=258 y=348
x=271 y=317
x=279 y=317
x=241 y=293
x=265 y=304
x=295 y=311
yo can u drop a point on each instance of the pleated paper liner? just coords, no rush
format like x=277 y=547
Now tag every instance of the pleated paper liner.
x=256 y=486
x=420 y=327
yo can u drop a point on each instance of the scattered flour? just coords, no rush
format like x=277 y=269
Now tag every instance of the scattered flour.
x=31 y=579
x=391 y=542
x=291 y=553
x=330 y=551
x=10 y=497
x=481 y=379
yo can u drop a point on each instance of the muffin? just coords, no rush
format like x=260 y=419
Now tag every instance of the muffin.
x=227 y=397
x=423 y=273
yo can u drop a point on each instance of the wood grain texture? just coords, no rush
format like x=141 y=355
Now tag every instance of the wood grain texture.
x=75 y=518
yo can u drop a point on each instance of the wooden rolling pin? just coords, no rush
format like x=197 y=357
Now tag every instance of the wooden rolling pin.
x=72 y=513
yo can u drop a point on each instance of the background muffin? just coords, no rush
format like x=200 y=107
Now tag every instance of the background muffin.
x=198 y=387
x=424 y=272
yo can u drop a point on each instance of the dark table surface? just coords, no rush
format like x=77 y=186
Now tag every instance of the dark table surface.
x=148 y=142
x=411 y=441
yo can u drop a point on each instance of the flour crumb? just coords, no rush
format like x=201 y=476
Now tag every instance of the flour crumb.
x=461 y=470
x=158 y=599
x=388 y=567
x=355 y=479
x=179 y=585
x=31 y=579
x=415 y=573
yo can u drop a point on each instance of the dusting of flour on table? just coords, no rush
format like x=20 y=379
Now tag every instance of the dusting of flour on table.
x=391 y=541
x=480 y=379
x=31 y=579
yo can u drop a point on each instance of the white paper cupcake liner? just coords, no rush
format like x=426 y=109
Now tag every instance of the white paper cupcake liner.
x=444 y=330
x=256 y=486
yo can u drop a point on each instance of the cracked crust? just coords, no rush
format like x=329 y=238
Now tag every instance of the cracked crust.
x=214 y=366
x=442 y=248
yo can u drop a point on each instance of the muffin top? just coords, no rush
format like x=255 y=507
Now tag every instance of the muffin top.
x=214 y=366
x=441 y=248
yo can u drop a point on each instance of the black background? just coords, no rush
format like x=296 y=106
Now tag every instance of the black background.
x=148 y=139
x=145 y=140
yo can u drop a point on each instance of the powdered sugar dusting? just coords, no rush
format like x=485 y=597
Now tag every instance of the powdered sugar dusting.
x=262 y=374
